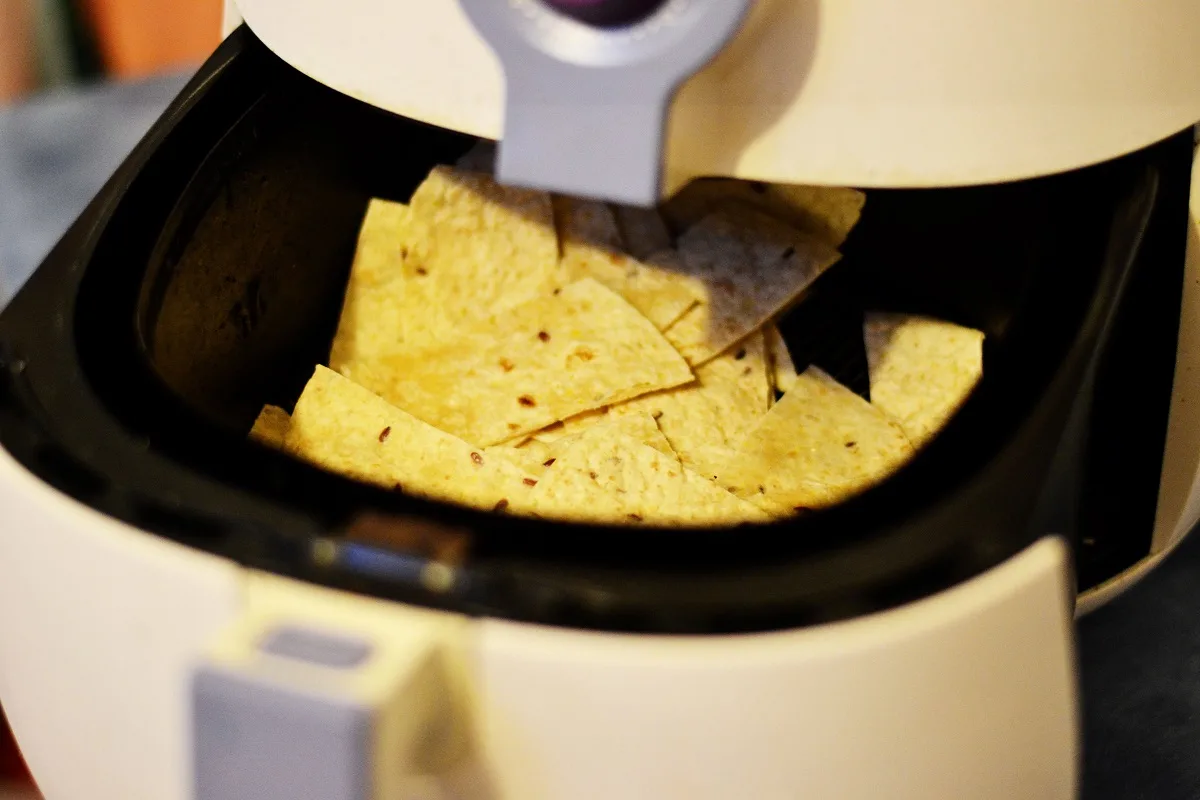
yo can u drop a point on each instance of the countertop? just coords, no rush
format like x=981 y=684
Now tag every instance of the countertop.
x=1140 y=656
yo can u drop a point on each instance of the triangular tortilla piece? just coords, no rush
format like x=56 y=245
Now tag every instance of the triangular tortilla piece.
x=712 y=415
x=607 y=477
x=537 y=453
x=641 y=427
x=922 y=370
x=490 y=247
x=592 y=246
x=385 y=303
x=271 y=427
x=542 y=362
x=643 y=231
x=818 y=446
x=753 y=266
x=342 y=427
x=782 y=368
x=826 y=212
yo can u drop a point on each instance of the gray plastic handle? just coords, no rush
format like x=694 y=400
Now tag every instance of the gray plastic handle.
x=586 y=107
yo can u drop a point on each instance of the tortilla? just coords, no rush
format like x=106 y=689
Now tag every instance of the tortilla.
x=606 y=476
x=342 y=427
x=827 y=213
x=922 y=370
x=271 y=427
x=707 y=419
x=753 y=267
x=542 y=362
x=782 y=368
x=382 y=305
x=592 y=247
x=818 y=446
x=490 y=247
x=643 y=231
x=640 y=427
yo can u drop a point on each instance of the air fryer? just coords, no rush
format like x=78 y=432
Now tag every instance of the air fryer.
x=207 y=278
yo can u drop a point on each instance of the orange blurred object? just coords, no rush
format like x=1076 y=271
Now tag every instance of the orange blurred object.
x=143 y=37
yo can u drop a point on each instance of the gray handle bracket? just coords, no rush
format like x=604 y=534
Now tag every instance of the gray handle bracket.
x=586 y=107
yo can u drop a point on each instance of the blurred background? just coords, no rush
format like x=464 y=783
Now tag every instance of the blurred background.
x=47 y=44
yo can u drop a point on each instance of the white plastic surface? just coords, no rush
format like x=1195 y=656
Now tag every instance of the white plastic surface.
x=1179 y=487
x=411 y=681
x=99 y=624
x=854 y=92
x=231 y=18
x=1179 y=492
x=968 y=694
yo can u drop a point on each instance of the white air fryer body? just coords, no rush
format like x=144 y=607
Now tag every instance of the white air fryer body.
x=967 y=694
x=869 y=93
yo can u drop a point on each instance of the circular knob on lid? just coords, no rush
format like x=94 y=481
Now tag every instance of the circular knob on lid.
x=607 y=13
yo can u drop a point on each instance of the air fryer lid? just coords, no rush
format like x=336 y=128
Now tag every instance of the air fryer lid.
x=206 y=281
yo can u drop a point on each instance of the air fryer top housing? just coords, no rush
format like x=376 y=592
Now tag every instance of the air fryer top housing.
x=867 y=93
x=206 y=280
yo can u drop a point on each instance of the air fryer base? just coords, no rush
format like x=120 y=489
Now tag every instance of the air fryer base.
x=101 y=699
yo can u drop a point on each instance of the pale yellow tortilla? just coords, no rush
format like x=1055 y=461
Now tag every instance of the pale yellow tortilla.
x=641 y=427
x=490 y=247
x=818 y=446
x=342 y=427
x=706 y=419
x=463 y=247
x=592 y=247
x=542 y=362
x=828 y=213
x=922 y=370
x=753 y=267
x=607 y=477
x=383 y=305
x=271 y=427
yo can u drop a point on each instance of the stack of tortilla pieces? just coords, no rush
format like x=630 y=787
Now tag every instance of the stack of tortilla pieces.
x=537 y=355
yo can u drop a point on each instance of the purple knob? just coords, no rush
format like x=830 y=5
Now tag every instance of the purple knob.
x=607 y=13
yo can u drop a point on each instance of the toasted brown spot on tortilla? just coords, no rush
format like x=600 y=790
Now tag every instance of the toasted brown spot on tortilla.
x=527 y=401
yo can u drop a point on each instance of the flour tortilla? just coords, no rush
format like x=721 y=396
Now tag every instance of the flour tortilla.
x=827 y=213
x=271 y=427
x=753 y=267
x=819 y=445
x=592 y=247
x=708 y=418
x=607 y=477
x=342 y=427
x=383 y=305
x=922 y=370
x=489 y=246
x=542 y=362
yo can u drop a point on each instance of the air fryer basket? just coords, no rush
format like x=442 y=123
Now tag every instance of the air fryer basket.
x=206 y=280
